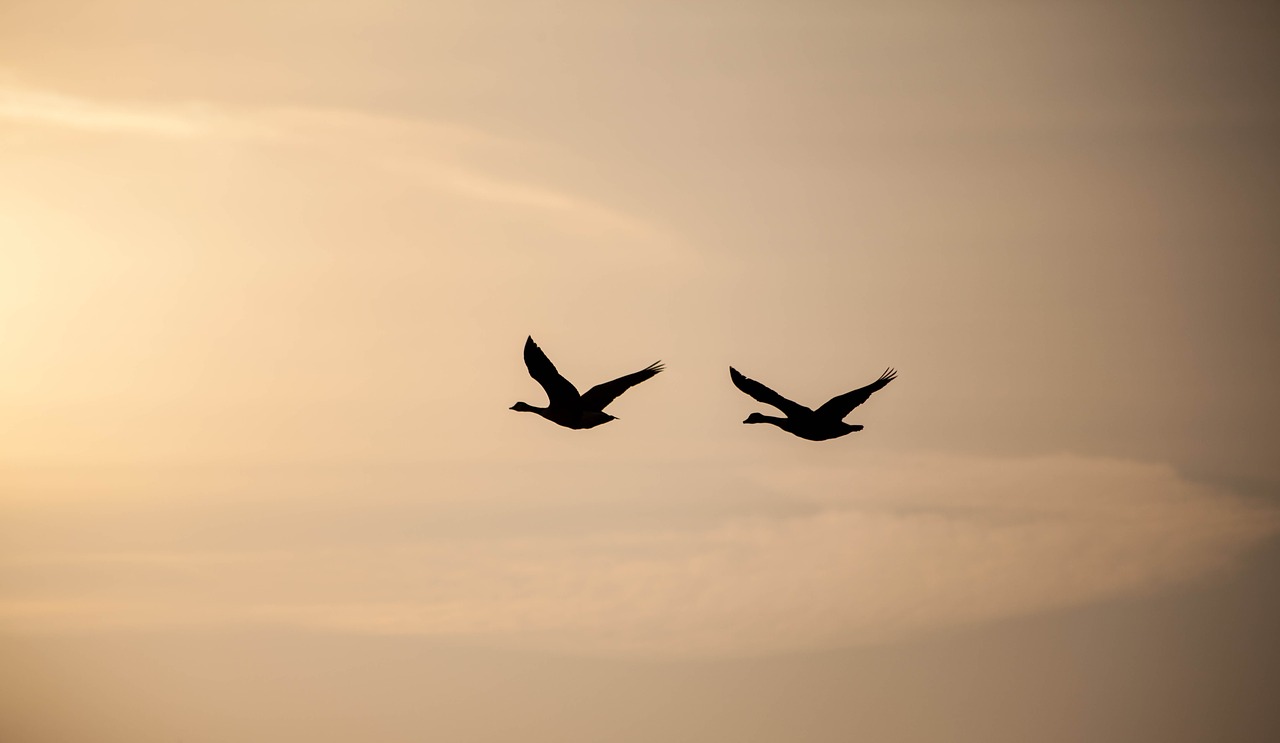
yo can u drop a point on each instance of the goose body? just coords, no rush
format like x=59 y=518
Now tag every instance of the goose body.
x=827 y=422
x=565 y=405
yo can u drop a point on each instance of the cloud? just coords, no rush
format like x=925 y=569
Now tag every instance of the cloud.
x=877 y=553
x=434 y=154
x=36 y=107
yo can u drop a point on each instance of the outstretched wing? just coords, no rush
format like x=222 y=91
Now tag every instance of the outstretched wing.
x=841 y=405
x=559 y=390
x=604 y=393
x=766 y=395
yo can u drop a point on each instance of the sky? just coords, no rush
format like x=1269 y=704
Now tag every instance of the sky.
x=267 y=269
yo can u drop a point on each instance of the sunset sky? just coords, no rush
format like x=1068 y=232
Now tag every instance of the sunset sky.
x=266 y=269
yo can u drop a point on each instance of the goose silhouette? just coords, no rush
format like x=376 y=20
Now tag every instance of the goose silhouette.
x=565 y=406
x=827 y=422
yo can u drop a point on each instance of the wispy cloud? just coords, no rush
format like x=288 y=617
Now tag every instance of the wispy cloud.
x=436 y=155
x=881 y=552
x=35 y=107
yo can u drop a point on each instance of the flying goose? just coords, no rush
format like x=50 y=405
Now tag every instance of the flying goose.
x=827 y=422
x=565 y=406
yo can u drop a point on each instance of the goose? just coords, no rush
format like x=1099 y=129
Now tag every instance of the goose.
x=565 y=407
x=827 y=422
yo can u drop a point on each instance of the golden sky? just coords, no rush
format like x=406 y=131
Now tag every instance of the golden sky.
x=267 y=268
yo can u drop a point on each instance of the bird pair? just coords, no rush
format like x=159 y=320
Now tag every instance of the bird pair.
x=568 y=408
